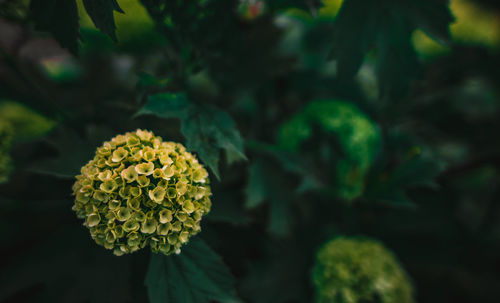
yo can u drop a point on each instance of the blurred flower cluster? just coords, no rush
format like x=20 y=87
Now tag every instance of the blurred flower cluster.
x=139 y=191
x=352 y=270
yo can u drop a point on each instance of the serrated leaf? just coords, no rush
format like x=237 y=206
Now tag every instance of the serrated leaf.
x=58 y=17
x=197 y=275
x=207 y=129
x=101 y=13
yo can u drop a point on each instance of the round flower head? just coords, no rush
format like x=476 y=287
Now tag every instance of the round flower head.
x=359 y=270
x=6 y=135
x=139 y=191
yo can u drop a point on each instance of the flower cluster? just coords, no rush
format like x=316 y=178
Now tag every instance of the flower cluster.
x=138 y=191
x=5 y=146
x=359 y=270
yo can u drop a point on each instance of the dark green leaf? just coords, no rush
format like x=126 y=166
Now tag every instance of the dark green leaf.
x=206 y=128
x=166 y=105
x=229 y=208
x=72 y=152
x=58 y=17
x=434 y=17
x=267 y=183
x=101 y=13
x=388 y=26
x=197 y=275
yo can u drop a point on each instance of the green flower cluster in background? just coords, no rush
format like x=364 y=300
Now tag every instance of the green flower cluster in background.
x=138 y=191
x=5 y=146
x=359 y=270
x=357 y=133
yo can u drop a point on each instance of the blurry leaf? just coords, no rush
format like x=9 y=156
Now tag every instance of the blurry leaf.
x=206 y=128
x=386 y=25
x=291 y=162
x=148 y=82
x=418 y=171
x=397 y=65
x=432 y=16
x=72 y=152
x=197 y=275
x=101 y=13
x=358 y=136
x=475 y=24
x=58 y=17
x=166 y=105
x=27 y=123
x=229 y=208
x=257 y=188
x=389 y=186
x=267 y=183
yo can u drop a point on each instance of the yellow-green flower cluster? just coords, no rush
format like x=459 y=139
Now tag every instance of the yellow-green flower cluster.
x=359 y=270
x=5 y=146
x=139 y=191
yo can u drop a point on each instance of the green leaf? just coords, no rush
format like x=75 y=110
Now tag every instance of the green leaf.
x=101 y=13
x=290 y=162
x=147 y=83
x=72 y=151
x=257 y=188
x=419 y=168
x=388 y=26
x=197 y=275
x=166 y=105
x=207 y=129
x=229 y=207
x=267 y=183
x=58 y=17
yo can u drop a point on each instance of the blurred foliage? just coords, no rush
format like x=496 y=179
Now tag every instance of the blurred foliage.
x=26 y=124
x=315 y=119
x=6 y=134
